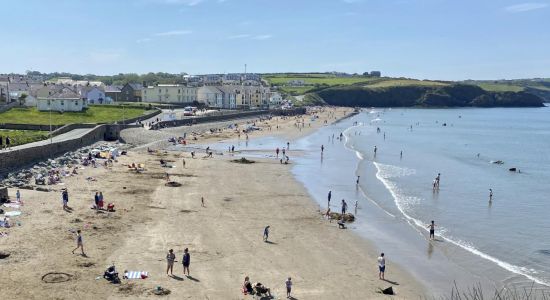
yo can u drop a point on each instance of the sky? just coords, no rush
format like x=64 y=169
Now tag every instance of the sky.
x=424 y=39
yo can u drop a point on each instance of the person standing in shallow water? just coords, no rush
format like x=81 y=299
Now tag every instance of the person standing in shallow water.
x=344 y=207
x=381 y=266
x=490 y=195
x=329 y=196
x=431 y=226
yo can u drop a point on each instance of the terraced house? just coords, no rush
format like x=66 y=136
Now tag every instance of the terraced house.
x=169 y=93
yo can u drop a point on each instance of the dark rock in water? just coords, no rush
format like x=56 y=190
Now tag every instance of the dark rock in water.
x=512 y=169
x=348 y=217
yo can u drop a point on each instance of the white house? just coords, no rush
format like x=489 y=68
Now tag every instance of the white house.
x=275 y=99
x=210 y=96
x=93 y=94
x=65 y=99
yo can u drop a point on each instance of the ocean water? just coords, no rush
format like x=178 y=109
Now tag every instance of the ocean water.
x=504 y=243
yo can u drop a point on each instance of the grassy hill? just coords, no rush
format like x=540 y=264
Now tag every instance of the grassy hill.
x=94 y=114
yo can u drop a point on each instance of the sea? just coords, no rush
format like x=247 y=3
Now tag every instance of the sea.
x=502 y=243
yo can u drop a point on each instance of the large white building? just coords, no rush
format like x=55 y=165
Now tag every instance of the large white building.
x=169 y=93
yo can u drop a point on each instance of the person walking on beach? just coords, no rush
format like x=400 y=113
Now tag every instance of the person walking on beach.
x=266 y=233
x=202 y=202
x=18 y=196
x=344 y=207
x=96 y=200
x=65 y=199
x=288 y=284
x=437 y=179
x=490 y=195
x=431 y=226
x=186 y=261
x=357 y=181
x=170 y=259
x=79 y=243
x=381 y=266
x=329 y=196
x=277 y=152
x=284 y=152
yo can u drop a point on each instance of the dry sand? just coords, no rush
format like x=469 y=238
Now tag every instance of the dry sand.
x=224 y=238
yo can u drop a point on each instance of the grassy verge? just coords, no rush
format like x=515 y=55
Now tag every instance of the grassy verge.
x=94 y=114
x=20 y=137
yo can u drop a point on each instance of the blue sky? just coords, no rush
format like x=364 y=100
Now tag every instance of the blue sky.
x=427 y=39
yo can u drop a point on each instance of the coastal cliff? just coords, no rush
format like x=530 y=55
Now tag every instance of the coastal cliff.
x=456 y=95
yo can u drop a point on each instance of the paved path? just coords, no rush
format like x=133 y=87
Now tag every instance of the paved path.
x=73 y=134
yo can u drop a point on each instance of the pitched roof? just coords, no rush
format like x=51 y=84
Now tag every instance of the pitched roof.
x=64 y=93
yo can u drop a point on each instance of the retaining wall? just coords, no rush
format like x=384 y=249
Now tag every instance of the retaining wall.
x=15 y=159
x=224 y=116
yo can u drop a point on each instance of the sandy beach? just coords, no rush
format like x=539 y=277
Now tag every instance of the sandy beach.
x=224 y=237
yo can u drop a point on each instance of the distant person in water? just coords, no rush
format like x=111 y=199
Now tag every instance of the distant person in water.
x=277 y=152
x=401 y=154
x=375 y=150
x=357 y=181
x=288 y=145
x=437 y=179
x=322 y=148
x=490 y=195
x=356 y=206
x=329 y=196
x=431 y=226
x=344 y=207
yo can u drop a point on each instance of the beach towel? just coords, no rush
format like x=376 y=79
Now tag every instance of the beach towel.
x=12 y=213
x=136 y=274
x=12 y=205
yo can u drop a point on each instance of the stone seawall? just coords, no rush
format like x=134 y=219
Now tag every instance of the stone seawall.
x=15 y=159
x=224 y=116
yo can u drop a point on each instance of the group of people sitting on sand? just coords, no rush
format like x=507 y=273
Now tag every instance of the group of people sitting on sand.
x=255 y=289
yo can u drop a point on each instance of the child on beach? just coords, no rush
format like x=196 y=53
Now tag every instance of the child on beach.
x=288 y=284
x=170 y=258
x=381 y=266
x=186 y=261
x=18 y=196
x=79 y=243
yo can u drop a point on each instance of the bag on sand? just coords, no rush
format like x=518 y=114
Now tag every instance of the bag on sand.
x=387 y=291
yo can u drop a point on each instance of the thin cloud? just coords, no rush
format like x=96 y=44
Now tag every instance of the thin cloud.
x=262 y=37
x=175 y=2
x=173 y=33
x=238 y=36
x=524 y=7
x=144 y=40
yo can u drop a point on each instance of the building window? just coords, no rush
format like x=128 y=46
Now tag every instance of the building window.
x=76 y=102
x=179 y=91
x=62 y=103
x=160 y=91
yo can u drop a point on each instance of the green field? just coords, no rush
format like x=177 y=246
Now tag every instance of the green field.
x=404 y=82
x=311 y=80
x=19 y=137
x=500 y=87
x=94 y=114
